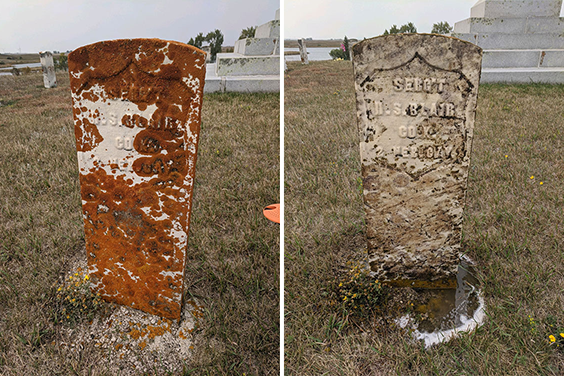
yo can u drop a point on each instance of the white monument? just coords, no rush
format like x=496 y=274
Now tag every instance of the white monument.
x=254 y=66
x=523 y=40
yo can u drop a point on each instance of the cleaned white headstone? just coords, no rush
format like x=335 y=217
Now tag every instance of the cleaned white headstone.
x=303 y=51
x=49 y=77
x=416 y=98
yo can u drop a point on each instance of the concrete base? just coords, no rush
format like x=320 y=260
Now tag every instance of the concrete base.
x=523 y=75
x=232 y=64
x=240 y=84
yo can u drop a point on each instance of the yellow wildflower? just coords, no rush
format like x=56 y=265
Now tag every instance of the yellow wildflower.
x=532 y=176
x=551 y=337
x=540 y=183
x=562 y=335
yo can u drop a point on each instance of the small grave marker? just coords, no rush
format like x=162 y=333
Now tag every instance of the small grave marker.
x=136 y=107
x=416 y=99
x=48 y=67
x=303 y=51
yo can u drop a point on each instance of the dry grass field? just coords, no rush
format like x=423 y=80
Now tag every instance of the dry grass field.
x=513 y=230
x=7 y=60
x=233 y=251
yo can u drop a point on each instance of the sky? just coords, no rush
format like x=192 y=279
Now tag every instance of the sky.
x=61 y=25
x=326 y=19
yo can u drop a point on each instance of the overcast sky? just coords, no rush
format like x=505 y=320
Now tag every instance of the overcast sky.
x=61 y=25
x=325 y=19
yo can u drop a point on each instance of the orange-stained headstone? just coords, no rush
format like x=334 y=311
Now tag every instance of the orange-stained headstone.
x=136 y=107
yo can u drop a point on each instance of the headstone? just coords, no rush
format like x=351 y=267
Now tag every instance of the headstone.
x=136 y=107
x=49 y=77
x=303 y=51
x=416 y=98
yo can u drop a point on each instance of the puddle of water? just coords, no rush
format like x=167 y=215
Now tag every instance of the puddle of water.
x=438 y=315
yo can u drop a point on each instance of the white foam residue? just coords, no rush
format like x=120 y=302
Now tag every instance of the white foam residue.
x=438 y=336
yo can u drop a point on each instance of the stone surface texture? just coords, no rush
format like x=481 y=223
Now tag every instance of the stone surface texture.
x=48 y=67
x=136 y=108
x=516 y=36
x=303 y=51
x=416 y=98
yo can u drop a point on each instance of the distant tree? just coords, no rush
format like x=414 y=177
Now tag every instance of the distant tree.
x=337 y=53
x=62 y=63
x=347 y=48
x=198 y=41
x=215 y=39
x=342 y=53
x=248 y=32
x=407 y=28
x=441 y=28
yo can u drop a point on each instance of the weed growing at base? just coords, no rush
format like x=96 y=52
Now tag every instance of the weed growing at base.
x=358 y=292
x=76 y=301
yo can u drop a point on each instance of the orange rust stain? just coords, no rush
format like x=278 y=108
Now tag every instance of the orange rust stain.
x=136 y=334
x=181 y=335
x=134 y=255
x=87 y=135
x=143 y=345
x=157 y=331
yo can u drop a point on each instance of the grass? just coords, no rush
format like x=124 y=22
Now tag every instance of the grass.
x=513 y=229
x=233 y=259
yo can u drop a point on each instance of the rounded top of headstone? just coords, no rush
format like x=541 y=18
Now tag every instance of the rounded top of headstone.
x=151 y=55
x=443 y=52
